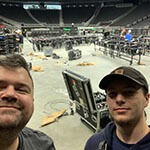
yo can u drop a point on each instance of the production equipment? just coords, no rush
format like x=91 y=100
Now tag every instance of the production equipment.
x=8 y=44
x=68 y=45
x=92 y=107
x=74 y=54
x=3 y=44
x=123 y=49
x=12 y=43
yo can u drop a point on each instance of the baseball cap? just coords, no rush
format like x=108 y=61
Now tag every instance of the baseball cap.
x=126 y=72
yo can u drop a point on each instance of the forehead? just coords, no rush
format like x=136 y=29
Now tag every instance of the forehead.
x=15 y=75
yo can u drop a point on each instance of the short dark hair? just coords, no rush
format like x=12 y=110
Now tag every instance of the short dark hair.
x=14 y=61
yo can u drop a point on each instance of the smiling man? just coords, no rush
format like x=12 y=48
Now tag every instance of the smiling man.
x=16 y=107
x=127 y=95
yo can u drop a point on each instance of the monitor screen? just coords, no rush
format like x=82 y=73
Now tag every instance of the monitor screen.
x=42 y=6
x=79 y=89
x=2 y=37
x=31 y=6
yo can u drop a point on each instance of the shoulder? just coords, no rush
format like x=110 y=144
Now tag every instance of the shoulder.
x=93 y=142
x=33 y=138
x=104 y=135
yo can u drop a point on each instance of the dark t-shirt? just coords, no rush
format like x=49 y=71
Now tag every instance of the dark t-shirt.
x=34 y=140
x=106 y=139
x=117 y=144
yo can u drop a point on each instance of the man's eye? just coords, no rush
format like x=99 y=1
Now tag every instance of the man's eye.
x=22 y=90
x=129 y=93
x=112 y=94
x=2 y=87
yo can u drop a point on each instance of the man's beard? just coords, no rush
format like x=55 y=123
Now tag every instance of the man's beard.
x=122 y=123
x=10 y=124
x=126 y=122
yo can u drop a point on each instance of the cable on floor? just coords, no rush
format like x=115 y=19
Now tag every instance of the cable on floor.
x=53 y=105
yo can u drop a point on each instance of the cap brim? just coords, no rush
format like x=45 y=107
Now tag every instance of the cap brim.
x=105 y=82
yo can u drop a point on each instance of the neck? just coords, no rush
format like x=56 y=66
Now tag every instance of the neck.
x=131 y=134
x=8 y=141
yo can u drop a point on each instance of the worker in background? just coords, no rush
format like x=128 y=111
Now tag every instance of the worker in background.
x=20 y=40
x=128 y=36
x=123 y=33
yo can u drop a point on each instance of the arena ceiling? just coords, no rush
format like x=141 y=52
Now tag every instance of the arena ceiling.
x=72 y=1
x=60 y=1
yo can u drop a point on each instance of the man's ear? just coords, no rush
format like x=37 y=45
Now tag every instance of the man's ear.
x=147 y=97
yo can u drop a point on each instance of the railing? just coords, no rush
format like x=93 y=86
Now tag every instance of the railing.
x=128 y=51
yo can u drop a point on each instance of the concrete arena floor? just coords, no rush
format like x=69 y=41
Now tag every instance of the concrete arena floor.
x=68 y=132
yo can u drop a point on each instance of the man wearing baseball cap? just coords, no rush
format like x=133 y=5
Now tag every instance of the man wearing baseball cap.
x=127 y=96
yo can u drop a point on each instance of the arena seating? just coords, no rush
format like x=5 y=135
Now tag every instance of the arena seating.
x=79 y=14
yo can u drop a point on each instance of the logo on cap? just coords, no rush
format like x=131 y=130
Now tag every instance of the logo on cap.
x=119 y=71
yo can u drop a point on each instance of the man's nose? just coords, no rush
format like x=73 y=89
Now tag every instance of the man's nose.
x=9 y=94
x=120 y=98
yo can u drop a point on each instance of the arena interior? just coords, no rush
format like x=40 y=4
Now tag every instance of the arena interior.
x=70 y=45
